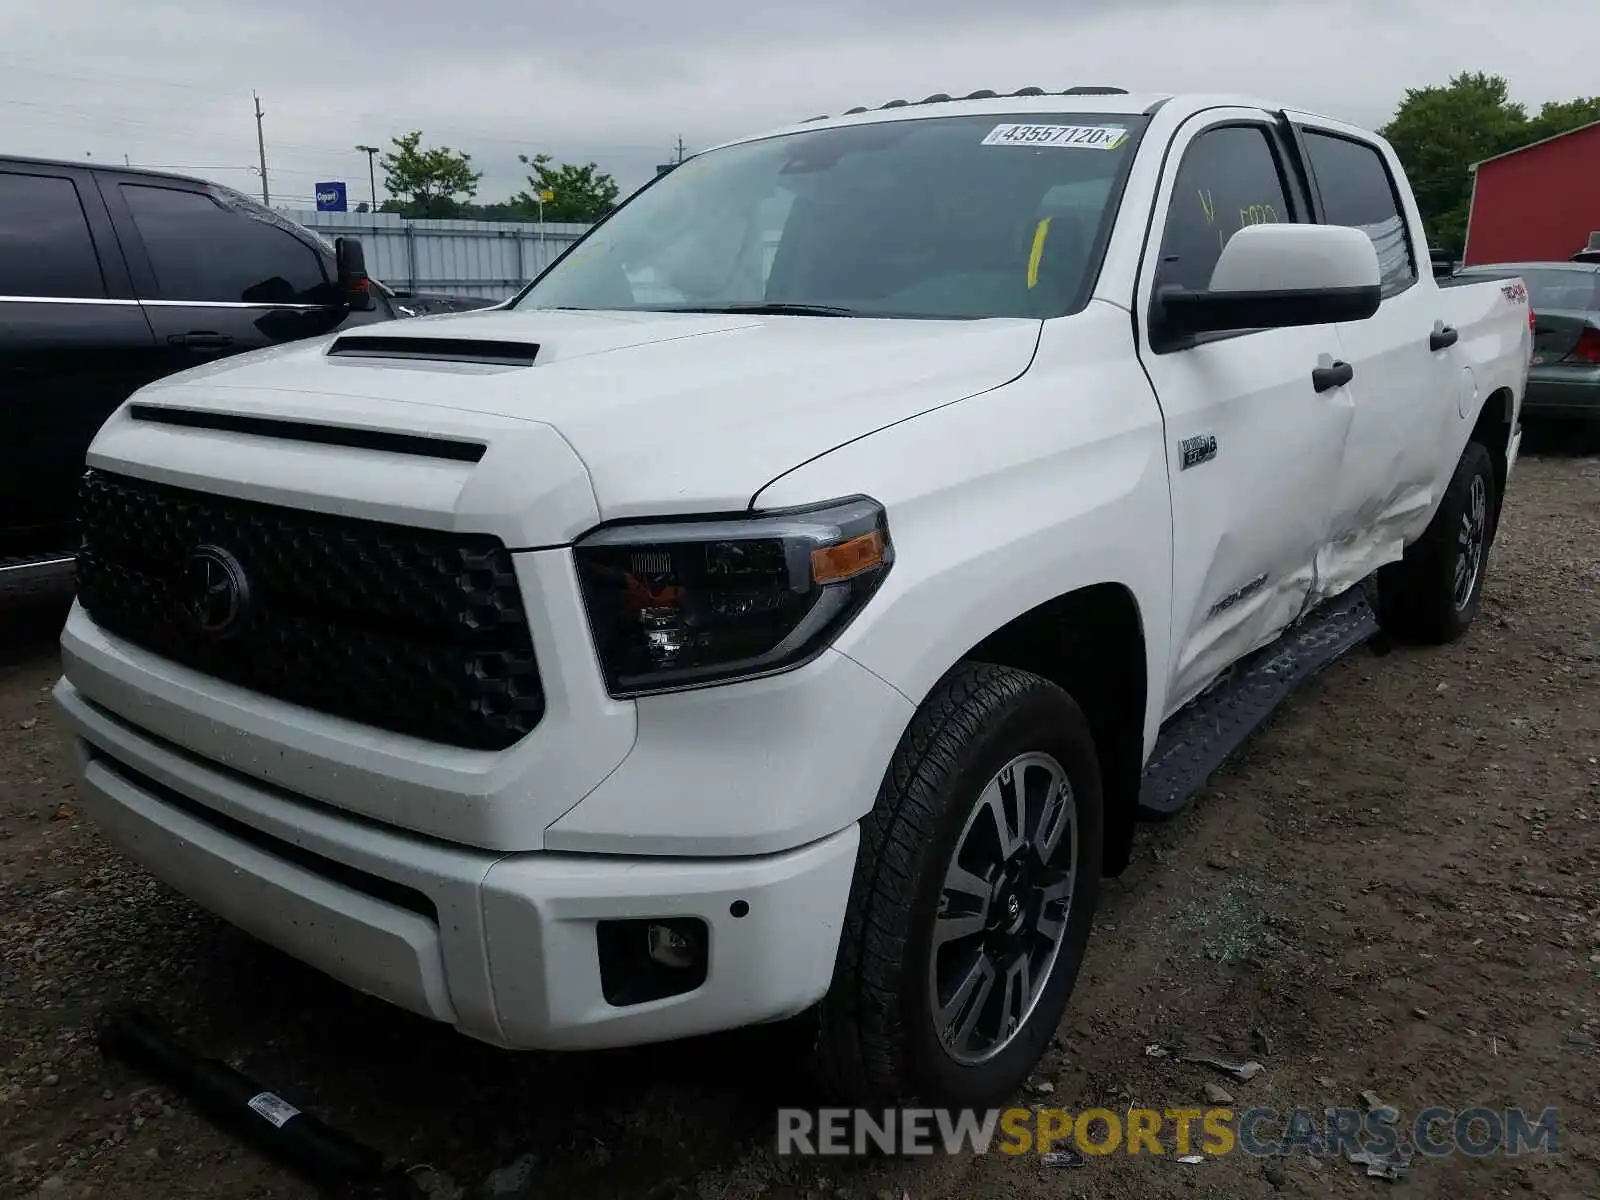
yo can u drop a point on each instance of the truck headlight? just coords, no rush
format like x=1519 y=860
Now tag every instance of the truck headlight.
x=682 y=604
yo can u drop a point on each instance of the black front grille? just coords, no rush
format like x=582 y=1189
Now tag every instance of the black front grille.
x=405 y=629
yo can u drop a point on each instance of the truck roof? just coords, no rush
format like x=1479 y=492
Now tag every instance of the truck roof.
x=90 y=164
x=1087 y=100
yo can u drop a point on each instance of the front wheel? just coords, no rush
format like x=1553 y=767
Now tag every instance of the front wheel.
x=1433 y=593
x=973 y=898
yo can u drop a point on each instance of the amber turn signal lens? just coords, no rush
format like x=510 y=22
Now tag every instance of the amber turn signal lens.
x=833 y=564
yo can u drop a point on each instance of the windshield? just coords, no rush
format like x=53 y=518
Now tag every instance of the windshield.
x=954 y=217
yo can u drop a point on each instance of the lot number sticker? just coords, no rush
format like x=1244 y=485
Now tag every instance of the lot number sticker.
x=1072 y=137
x=274 y=1108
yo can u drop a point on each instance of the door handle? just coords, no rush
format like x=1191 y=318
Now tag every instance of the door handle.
x=201 y=339
x=1442 y=338
x=1336 y=375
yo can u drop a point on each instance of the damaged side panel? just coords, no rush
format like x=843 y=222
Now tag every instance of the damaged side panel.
x=1250 y=515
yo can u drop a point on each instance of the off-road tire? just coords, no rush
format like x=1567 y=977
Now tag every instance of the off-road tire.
x=1416 y=599
x=876 y=1042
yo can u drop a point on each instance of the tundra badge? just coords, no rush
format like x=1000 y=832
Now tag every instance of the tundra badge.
x=1193 y=451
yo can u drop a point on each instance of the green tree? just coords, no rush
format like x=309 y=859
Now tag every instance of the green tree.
x=428 y=179
x=1439 y=132
x=582 y=194
x=1564 y=116
x=503 y=210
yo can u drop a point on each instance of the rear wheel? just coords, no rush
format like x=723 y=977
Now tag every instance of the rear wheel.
x=1432 y=595
x=973 y=897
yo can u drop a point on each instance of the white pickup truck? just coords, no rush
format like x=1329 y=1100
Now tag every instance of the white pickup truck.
x=804 y=637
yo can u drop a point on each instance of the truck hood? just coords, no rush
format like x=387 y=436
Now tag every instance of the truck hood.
x=669 y=412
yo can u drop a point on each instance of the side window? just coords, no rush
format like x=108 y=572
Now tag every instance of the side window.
x=201 y=251
x=1229 y=178
x=45 y=245
x=1357 y=190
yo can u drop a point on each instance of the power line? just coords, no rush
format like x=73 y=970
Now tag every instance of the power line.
x=254 y=170
x=78 y=112
x=132 y=128
x=100 y=76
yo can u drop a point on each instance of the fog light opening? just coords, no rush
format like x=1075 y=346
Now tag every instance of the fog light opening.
x=651 y=959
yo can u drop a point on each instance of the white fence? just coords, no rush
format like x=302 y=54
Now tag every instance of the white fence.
x=488 y=259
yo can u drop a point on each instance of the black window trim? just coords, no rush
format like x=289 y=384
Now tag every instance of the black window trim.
x=1301 y=129
x=1291 y=133
x=73 y=179
x=1300 y=200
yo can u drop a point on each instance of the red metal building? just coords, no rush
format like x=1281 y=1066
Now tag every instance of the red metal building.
x=1538 y=203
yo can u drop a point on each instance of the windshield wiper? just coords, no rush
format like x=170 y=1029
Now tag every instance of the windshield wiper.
x=762 y=308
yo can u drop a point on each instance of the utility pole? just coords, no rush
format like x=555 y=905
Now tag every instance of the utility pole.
x=372 y=180
x=680 y=148
x=261 y=148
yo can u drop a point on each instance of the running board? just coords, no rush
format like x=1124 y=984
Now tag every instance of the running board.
x=1212 y=728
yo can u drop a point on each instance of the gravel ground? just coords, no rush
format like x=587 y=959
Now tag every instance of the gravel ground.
x=1397 y=890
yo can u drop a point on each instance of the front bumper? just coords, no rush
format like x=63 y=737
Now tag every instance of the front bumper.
x=501 y=946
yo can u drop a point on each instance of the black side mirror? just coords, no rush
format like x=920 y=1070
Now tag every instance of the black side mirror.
x=1185 y=312
x=351 y=262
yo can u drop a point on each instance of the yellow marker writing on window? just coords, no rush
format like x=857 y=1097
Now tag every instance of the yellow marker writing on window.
x=1037 y=253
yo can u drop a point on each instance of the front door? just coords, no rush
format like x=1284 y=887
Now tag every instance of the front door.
x=217 y=279
x=73 y=345
x=1253 y=448
x=1407 y=381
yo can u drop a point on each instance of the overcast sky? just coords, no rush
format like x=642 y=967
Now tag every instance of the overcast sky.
x=168 y=82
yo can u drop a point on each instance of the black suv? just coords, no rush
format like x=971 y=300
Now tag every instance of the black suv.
x=112 y=277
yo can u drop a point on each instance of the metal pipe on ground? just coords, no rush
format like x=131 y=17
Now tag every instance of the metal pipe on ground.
x=340 y=1167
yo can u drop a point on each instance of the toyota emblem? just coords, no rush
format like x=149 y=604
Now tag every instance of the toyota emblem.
x=215 y=591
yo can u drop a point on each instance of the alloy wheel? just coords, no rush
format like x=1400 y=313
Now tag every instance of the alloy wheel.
x=1003 y=907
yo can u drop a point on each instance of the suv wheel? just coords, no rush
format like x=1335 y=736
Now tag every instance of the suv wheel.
x=1433 y=593
x=973 y=897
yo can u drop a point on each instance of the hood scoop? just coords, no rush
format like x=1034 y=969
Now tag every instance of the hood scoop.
x=435 y=349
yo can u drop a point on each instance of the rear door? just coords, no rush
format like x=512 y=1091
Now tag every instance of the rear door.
x=1253 y=448
x=218 y=278
x=1408 y=365
x=73 y=344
